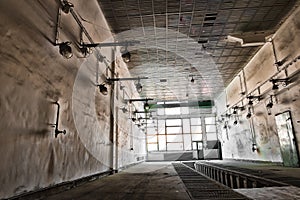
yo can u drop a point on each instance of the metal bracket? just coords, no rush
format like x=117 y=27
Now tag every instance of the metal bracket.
x=57 y=131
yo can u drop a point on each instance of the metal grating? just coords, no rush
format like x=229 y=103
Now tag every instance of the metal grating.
x=188 y=37
x=200 y=187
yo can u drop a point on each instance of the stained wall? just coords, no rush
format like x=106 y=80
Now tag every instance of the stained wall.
x=253 y=80
x=33 y=75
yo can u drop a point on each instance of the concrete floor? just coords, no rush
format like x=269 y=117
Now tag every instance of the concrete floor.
x=159 y=180
x=143 y=181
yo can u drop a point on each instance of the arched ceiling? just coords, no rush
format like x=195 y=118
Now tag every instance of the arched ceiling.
x=184 y=38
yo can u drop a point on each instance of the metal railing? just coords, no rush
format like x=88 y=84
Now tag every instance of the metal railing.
x=234 y=179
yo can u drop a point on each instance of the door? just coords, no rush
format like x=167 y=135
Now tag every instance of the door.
x=198 y=146
x=287 y=140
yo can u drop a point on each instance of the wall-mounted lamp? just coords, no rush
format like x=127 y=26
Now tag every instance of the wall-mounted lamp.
x=139 y=87
x=236 y=120
x=225 y=125
x=251 y=98
x=270 y=105
x=254 y=97
x=85 y=50
x=126 y=56
x=254 y=147
x=284 y=81
x=103 y=89
x=192 y=80
x=133 y=119
x=66 y=6
x=249 y=114
x=146 y=106
x=234 y=111
x=241 y=108
x=250 y=102
x=65 y=49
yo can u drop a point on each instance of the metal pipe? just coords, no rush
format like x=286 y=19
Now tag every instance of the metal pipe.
x=57 y=131
x=81 y=25
x=275 y=55
x=110 y=44
x=57 y=25
x=125 y=79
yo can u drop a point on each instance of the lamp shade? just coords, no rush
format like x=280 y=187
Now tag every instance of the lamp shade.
x=146 y=106
x=139 y=87
x=126 y=56
x=103 y=89
x=65 y=50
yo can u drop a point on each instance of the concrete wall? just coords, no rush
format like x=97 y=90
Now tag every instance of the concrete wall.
x=261 y=128
x=33 y=75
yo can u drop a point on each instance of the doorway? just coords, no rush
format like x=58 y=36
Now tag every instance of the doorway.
x=285 y=130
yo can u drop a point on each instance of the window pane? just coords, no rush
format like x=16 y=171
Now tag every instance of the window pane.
x=210 y=120
x=160 y=111
x=175 y=146
x=187 y=139
x=184 y=110
x=196 y=129
x=152 y=139
x=174 y=130
x=195 y=121
x=152 y=147
x=174 y=138
x=212 y=144
x=186 y=126
x=200 y=145
x=210 y=128
x=151 y=131
x=211 y=136
x=172 y=111
x=162 y=142
x=194 y=145
x=196 y=137
x=161 y=127
x=173 y=122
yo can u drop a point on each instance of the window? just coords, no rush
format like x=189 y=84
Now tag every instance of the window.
x=172 y=111
x=173 y=122
x=174 y=146
x=152 y=147
x=210 y=120
x=195 y=121
x=178 y=134
x=174 y=130
x=174 y=138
